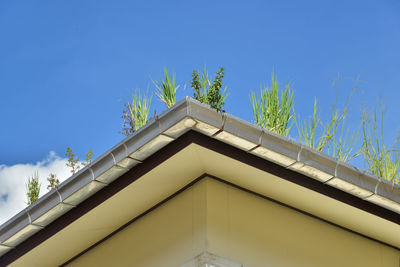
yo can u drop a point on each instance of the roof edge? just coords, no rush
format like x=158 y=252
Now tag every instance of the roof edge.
x=185 y=115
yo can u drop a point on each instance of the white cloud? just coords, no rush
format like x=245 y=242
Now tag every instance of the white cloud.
x=13 y=179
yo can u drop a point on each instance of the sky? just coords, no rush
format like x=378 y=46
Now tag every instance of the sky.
x=68 y=67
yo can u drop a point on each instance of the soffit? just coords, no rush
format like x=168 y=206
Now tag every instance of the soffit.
x=299 y=197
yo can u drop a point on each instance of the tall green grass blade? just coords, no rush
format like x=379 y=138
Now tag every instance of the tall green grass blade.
x=273 y=110
x=166 y=89
x=381 y=160
x=136 y=113
x=326 y=137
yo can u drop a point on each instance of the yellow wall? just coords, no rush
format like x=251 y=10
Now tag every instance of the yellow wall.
x=256 y=232
x=236 y=225
x=169 y=236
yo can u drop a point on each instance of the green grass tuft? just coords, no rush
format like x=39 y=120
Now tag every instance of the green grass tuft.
x=274 y=109
x=166 y=89
x=136 y=113
x=381 y=160
x=33 y=188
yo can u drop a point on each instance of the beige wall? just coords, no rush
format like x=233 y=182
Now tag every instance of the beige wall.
x=169 y=236
x=235 y=225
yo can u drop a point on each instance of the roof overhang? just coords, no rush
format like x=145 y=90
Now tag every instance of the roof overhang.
x=220 y=145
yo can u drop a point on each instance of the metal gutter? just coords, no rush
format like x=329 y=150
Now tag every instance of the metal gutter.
x=185 y=115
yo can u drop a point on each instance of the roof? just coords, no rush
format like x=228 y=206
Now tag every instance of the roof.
x=189 y=121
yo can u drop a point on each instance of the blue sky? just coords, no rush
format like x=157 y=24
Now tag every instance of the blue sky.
x=67 y=67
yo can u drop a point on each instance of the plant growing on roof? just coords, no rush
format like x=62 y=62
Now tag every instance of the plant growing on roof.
x=33 y=188
x=208 y=92
x=332 y=137
x=324 y=137
x=381 y=160
x=312 y=136
x=343 y=145
x=307 y=130
x=89 y=157
x=166 y=89
x=53 y=181
x=72 y=162
x=136 y=114
x=274 y=109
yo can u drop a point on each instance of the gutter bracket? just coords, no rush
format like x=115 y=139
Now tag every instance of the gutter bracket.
x=297 y=159
x=299 y=153
x=377 y=186
x=29 y=216
x=260 y=137
x=335 y=173
x=126 y=150
x=336 y=167
x=61 y=201
x=92 y=173
x=159 y=125
x=224 y=116
x=375 y=190
x=112 y=155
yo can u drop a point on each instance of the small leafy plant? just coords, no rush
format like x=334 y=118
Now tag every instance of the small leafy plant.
x=166 y=89
x=274 y=109
x=135 y=114
x=72 y=162
x=53 y=181
x=89 y=157
x=208 y=92
x=33 y=188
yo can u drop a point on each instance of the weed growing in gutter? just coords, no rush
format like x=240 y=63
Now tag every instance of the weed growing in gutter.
x=317 y=134
x=166 y=89
x=89 y=157
x=136 y=114
x=307 y=130
x=33 y=188
x=207 y=92
x=344 y=144
x=381 y=160
x=53 y=181
x=72 y=162
x=274 y=109
x=333 y=136
x=33 y=184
